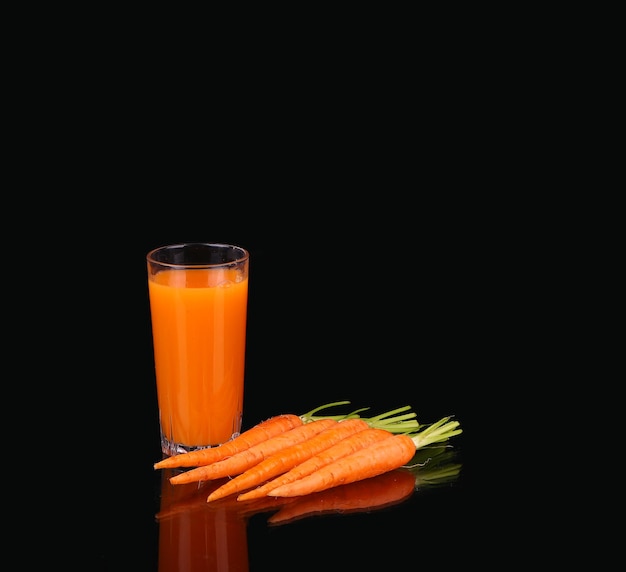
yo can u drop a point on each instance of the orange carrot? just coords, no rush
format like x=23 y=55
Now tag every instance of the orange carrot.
x=242 y=461
x=261 y=432
x=288 y=458
x=378 y=458
x=341 y=449
x=379 y=492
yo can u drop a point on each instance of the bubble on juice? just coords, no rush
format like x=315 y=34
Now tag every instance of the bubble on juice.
x=230 y=278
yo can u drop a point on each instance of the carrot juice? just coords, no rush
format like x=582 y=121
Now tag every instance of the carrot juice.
x=199 y=335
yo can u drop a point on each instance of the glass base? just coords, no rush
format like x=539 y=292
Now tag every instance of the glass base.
x=170 y=449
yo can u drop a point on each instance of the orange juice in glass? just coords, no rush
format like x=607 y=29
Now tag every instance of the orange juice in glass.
x=198 y=304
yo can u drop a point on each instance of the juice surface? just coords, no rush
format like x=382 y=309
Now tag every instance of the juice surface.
x=199 y=334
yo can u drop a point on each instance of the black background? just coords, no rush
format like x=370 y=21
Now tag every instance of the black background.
x=380 y=202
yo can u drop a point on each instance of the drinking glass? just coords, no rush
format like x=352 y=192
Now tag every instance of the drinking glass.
x=198 y=296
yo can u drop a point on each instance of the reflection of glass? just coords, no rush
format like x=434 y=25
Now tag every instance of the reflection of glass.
x=195 y=536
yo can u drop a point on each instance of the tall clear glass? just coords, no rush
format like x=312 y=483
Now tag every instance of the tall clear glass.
x=198 y=305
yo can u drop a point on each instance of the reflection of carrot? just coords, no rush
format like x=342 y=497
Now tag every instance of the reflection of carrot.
x=241 y=462
x=379 y=492
x=195 y=501
x=185 y=498
x=288 y=458
x=248 y=509
x=344 y=447
x=253 y=436
x=435 y=468
x=378 y=458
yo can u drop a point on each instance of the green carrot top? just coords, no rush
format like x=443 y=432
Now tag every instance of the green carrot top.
x=400 y=421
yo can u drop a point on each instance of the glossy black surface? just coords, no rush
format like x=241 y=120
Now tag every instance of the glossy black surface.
x=382 y=323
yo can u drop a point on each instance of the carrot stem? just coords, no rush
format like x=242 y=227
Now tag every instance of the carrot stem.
x=307 y=416
x=391 y=421
x=438 y=432
x=310 y=416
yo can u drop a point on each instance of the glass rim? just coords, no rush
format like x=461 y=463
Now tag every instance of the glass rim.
x=242 y=255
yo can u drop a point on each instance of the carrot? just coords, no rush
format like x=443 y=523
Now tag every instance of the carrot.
x=341 y=449
x=253 y=436
x=378 y=458
x=288 y=458
x=386 y=455
x=380 y=426
x=242 y=461
x=379 y=492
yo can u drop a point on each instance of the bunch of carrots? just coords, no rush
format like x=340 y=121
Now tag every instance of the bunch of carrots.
x=294 y=455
